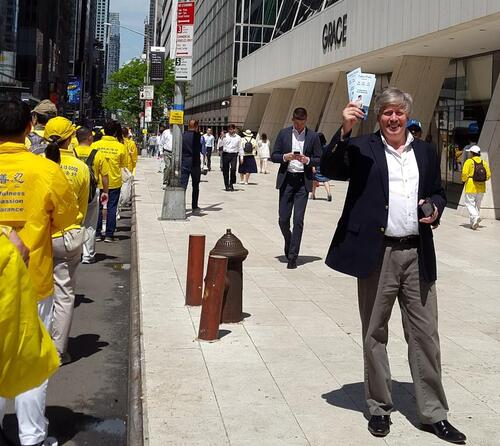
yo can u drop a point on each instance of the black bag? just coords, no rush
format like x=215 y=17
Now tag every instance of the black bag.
x=248 y=147
x=93 y=180
x=479 y=174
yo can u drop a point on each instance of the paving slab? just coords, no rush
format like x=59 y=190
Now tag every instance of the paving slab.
x=291 y=373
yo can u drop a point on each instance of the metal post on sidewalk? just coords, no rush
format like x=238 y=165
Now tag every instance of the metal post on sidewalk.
x=174 y=198
x=194 y=276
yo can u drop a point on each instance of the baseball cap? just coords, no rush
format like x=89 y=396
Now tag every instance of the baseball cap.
x=46 y=107
x=474 y=149
x=59 y=126
x=414 y=123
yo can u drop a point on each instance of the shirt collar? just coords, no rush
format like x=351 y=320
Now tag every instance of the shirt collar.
x=409 y=140
x=67 y=152
x=294 y=130
x=111 y=138
x=12 y=147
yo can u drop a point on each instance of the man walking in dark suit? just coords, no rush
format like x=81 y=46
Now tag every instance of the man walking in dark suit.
x=297 y=149
x=191 y=161
x=384 y=238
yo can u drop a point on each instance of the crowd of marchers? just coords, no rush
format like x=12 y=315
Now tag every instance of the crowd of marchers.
x=61 y=189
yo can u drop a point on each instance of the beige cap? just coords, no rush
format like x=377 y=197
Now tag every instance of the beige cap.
x=46 y=107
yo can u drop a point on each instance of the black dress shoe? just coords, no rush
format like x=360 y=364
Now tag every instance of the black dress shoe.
x=292 y=264
x=231 y=188
x=228 y=189
x=444 y=430
x=379 y=425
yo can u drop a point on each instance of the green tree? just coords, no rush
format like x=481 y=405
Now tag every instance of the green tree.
x=123 y=93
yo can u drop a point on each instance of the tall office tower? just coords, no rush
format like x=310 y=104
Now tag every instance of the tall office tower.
x=8 y=36
x=225 y=31
x=101 y=36
x=113 y=45
x=164 y=16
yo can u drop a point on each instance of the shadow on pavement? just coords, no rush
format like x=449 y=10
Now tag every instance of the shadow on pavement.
x=100 y=257
x=352 y=397
x=301 y=260
x=81 y=299
x=84 y=346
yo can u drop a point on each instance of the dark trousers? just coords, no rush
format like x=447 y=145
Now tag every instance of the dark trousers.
x=229 y=168
x=293 y=197
x=209 y=158
x=113 y=197
x=188 y=170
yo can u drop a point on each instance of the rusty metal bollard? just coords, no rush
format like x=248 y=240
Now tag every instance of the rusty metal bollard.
x=212 y=298
x=194 y=279
x=231 y=247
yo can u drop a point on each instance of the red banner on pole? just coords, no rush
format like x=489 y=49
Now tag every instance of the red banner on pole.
x=185 y=13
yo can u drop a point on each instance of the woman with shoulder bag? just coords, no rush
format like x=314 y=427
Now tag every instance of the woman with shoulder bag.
x=247 y=157
x=67 y=244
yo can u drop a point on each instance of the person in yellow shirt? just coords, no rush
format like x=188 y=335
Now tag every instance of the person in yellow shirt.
x=131 y=149
x=27 y=356
x=117 y=157
x=37 y=201
x=100 y=167
x=475 y=173
x=67 y=253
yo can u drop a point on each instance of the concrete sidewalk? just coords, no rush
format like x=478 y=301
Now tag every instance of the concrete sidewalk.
x=292 y=372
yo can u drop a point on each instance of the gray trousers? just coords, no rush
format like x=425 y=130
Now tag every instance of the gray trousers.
x=167 y=171
x=398 y=277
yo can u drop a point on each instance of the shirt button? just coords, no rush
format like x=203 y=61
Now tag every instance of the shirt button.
x=386 y=206
x=382 y=229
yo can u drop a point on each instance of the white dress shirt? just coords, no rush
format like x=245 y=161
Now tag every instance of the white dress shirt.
x=403 y=190
x=166 y=141
x=209 y=140
x=298 y=140
x=231 y=144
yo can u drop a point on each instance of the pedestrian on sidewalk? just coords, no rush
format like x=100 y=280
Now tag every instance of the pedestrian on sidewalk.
x=48 y=206
x=230 y=149
x=191 y=161
x=475 y=173
x=247 y=153
x=67 y=244
x=297 y=149
x=165 y=148
x=386 y=242
x=220 y=147
x=131 y=150
x=96 y=161
x=209 y=144
x=116 y=155
x=152 y=145
x=264 y=152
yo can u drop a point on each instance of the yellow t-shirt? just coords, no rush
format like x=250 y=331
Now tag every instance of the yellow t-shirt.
x=116 y=155
x=132 y=152
x=100 y=166
x=77 y=173
x=36 y=200
x=471 y=186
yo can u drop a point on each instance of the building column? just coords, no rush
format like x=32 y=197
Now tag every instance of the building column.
x=423 y=78
x=312 y=96
x=489 y=142
x=256 y=111
x=336 y=102
x=276 y=112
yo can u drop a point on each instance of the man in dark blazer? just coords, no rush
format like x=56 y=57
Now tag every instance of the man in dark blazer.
x=297 y=149
x=384 y=238
x=191 y=161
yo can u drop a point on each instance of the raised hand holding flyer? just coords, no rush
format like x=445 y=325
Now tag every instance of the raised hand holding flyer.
x=361 y=86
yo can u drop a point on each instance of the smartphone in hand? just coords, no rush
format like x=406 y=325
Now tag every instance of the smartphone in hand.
x=426 y=209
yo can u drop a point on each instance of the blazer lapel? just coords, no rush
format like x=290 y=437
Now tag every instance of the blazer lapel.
x=377 y=147
x=307 y=141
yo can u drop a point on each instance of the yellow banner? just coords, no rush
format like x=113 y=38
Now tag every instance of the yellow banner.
x=176 y=117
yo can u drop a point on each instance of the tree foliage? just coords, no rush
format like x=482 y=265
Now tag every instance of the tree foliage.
x=123 y=93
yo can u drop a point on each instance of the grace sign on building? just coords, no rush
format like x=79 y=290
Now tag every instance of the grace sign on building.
x=184 y=40
x=334 y=34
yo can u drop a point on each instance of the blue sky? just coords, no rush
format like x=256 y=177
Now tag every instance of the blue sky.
x=132 y=15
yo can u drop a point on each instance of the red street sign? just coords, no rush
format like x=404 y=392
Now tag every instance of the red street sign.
x=149 y=103
x=185 y=13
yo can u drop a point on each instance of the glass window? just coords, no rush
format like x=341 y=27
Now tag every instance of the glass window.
x=253 y=47
x=307 y=9
x=238 y=10
x=256 y=12
x=237 y=33
x=268 y=34
x=270 y=11
x=255 y=34
x=286 y=17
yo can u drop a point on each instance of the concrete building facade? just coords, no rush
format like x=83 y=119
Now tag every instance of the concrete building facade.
x=445 y=53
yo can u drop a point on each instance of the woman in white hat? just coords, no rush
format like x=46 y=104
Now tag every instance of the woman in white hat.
x=247 y=157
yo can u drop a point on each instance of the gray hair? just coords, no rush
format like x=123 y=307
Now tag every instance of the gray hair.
x=393 y=96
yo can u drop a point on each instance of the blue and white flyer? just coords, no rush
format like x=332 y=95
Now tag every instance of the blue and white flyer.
x=361 y=86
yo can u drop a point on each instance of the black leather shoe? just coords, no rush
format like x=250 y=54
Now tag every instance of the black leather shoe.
x=228 y=189
x=444 y=430
x=231 y=188
x=292 y=264
x=379 y=425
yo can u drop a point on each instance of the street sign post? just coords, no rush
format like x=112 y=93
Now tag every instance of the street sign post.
x=157 y=64
x=146 y=92
x=174 y=199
